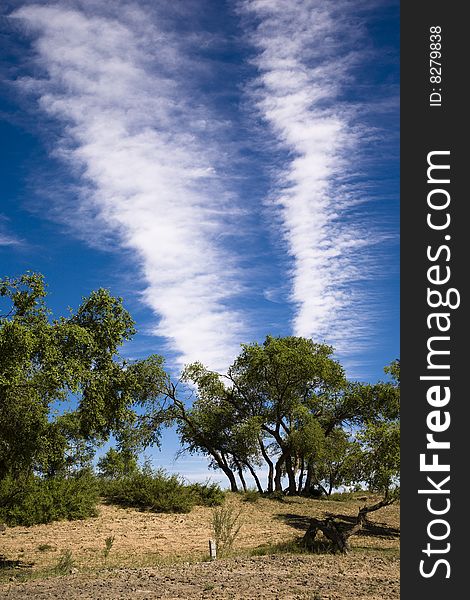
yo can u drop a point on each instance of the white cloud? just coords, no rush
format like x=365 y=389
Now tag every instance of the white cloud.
x=7 y=238
x=147 y=156
x=305 y=53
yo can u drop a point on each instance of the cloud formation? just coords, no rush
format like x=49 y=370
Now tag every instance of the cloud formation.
x=306 y=53
x=146 y=153
x=7 y=238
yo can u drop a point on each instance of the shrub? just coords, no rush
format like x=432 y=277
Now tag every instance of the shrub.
x=226 y=526
x=251 y=496
x=108 y=544
x=157 y=491
x=34 y=500
x=315 y=493
x=207 y=494
x=46 y=547
x=278 y=496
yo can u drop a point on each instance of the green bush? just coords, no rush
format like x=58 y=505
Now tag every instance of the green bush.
x=207 y=494
x=36 y=500
x=251 y=496
x=159 y=492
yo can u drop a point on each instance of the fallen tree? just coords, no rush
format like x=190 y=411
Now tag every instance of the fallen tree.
x=378 y=465
x=338 y=533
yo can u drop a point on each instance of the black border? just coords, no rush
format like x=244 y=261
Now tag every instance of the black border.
x=426 y=128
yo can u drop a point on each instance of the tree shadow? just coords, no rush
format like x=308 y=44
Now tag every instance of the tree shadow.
x=369 y=529
x=6 y=563
x=300 y=522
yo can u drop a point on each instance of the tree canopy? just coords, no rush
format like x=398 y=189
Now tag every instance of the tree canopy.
x=286 y=404
x=46 y=360
x=284 y=413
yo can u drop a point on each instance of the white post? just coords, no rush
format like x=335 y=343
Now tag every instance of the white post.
x=212 y=549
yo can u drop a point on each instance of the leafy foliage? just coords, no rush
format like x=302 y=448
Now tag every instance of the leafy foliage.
x=66 y=563
x=45 y=360
x=37 y=500
x=285 y=403
x=158 y=492
x=116 y=464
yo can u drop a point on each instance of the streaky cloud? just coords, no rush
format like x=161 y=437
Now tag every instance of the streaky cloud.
x=146 y=154
x=6 y=237
x=306 y=53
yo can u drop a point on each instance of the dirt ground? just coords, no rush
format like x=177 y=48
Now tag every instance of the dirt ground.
x=165 y=556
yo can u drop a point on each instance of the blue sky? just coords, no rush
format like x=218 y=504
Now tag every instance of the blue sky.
x=229 y=168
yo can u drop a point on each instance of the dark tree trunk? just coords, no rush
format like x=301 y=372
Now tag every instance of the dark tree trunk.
x=332 y=531
x=278 y=474
x=222 y=463
x=301 y=475
x=311 y=482
x=270 y=467
x=292 y=489
x=231 y=477
x=255 y=477
x=308 y=479
x=240 y=475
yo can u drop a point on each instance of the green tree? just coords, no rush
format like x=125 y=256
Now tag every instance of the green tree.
x=378 y=456
x=327 y=460
x=375 y=460
x=206 y=426
x=285 y=396
x=117 y=463
x=44 y=361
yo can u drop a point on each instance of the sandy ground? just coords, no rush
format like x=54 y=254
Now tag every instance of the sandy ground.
x=283 y=577
x=163 y=556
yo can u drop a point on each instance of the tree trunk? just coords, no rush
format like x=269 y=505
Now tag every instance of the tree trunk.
x=308 y=479
x=337 y=534
x=278 y=474
x=332 y=531
x=292 y=489
x=311 y=480
x=270 y=467
x=222 y=463
x=231 y=477
x=255 y=477
x=301 y=475
x=240 y=475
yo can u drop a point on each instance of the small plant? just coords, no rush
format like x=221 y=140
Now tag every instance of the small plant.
x=65 y=563
x=290 y=547
x=278 y=496
x=226 y=526
x=108 y=544
x=45 y=547
x=251 y=496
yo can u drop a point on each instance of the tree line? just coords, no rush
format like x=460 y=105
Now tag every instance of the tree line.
x=284 y=407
